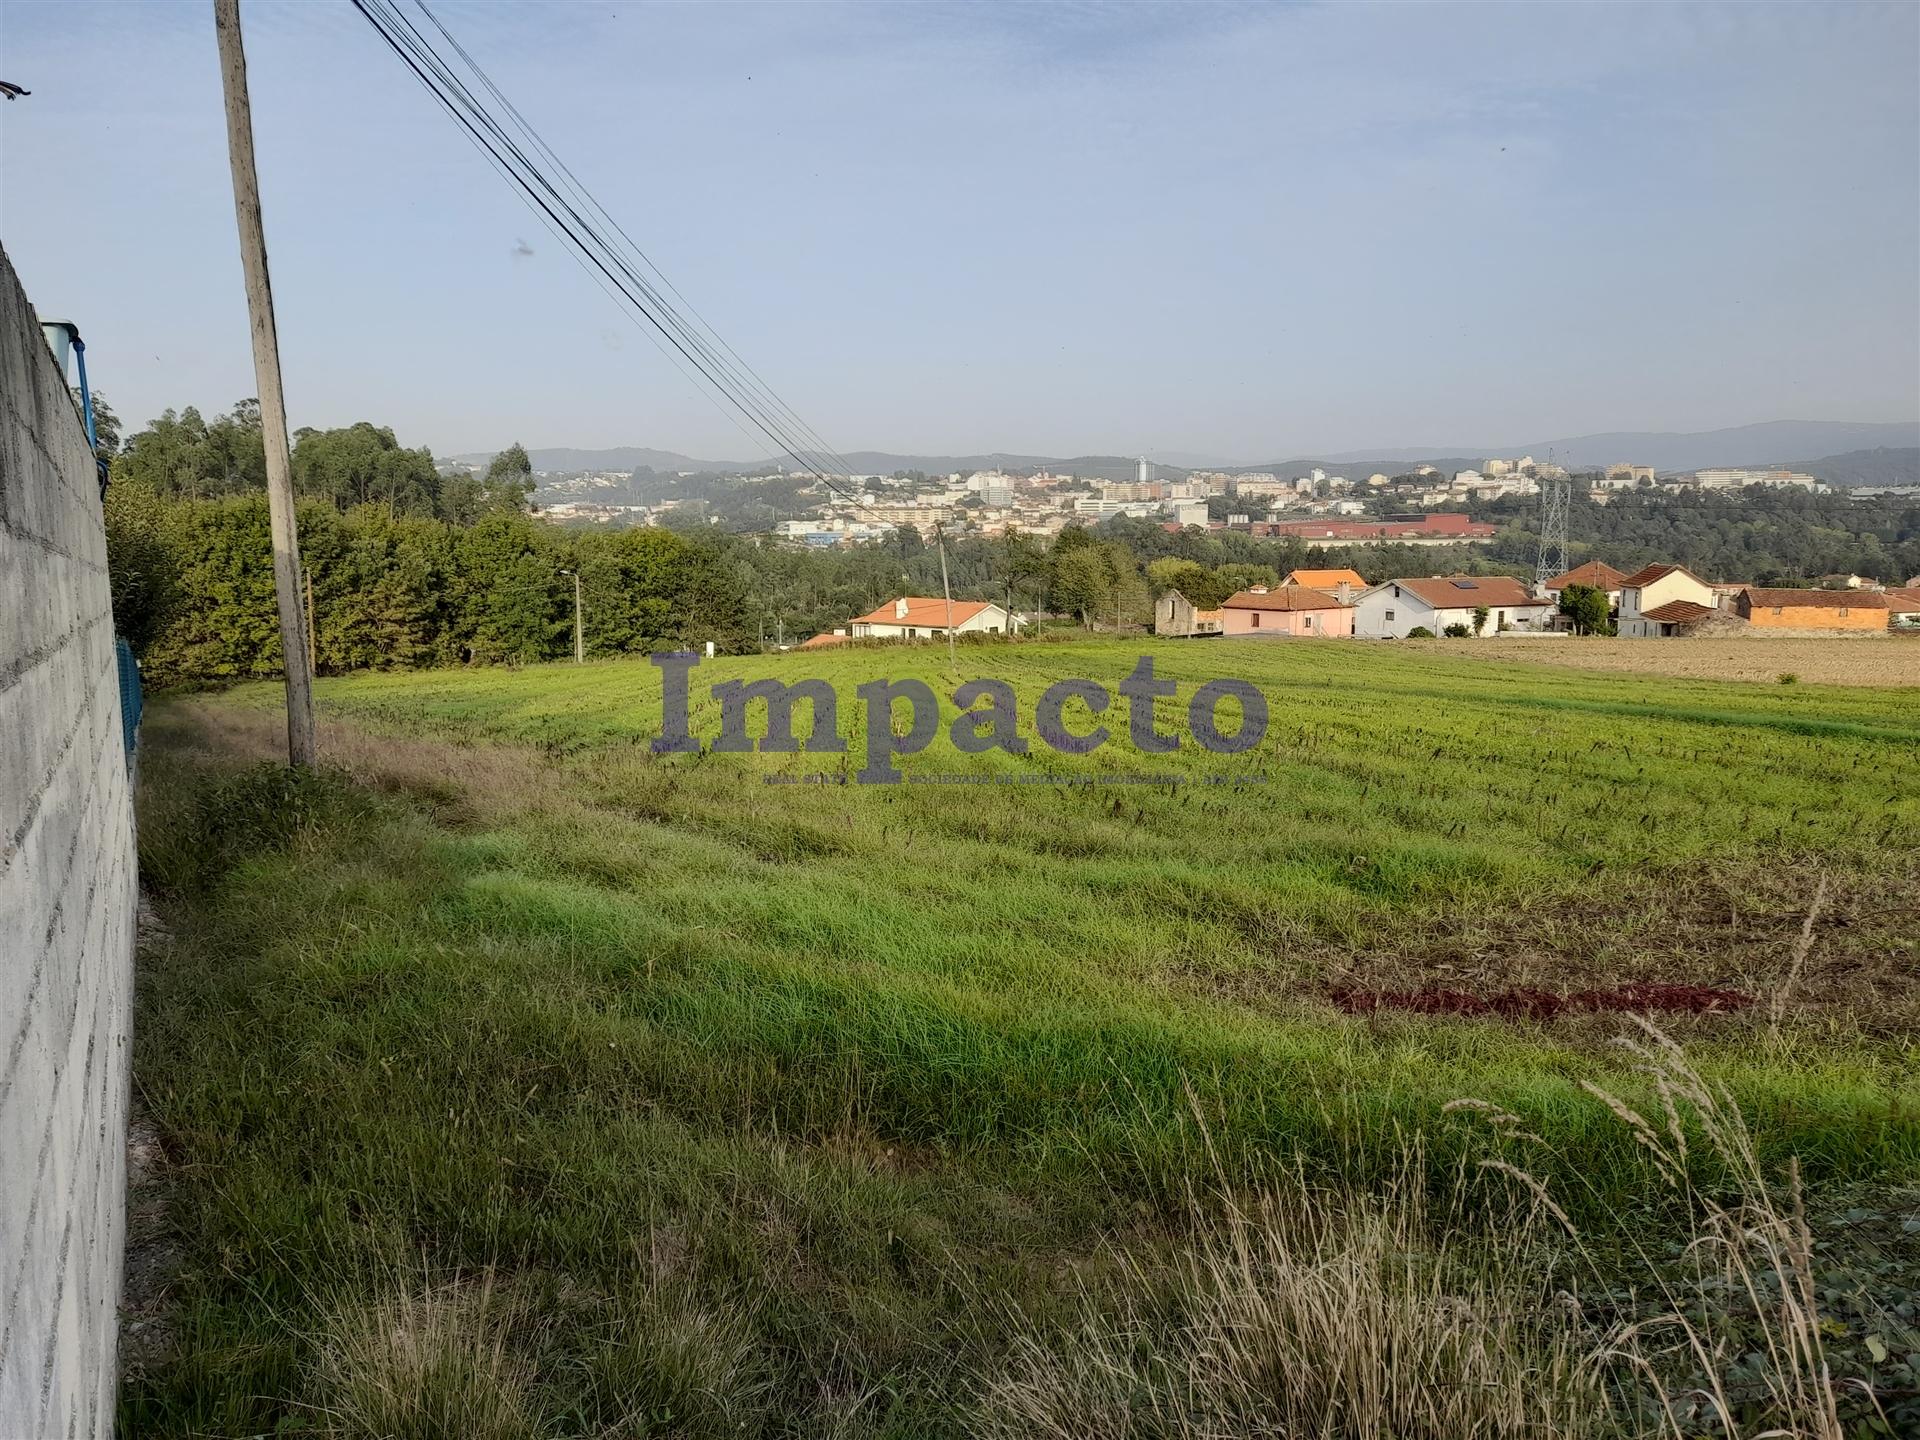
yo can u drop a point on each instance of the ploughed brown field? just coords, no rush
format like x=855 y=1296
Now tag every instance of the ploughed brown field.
x=1845 y=660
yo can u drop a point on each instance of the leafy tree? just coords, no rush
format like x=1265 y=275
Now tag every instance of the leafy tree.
x=461 y=498
x=1079 y=580
x=1025 y=565
x=106 y=424
x=1586 y=606
x=379 y=586
x=712 y=603
x=184 y=456
x=505 y=486
x=140 y=562
x=1241 y=576
x=224 y=622
x=1128 y=600
x=1480 y=616
x=363 y=464
x=236 y=451
x=1200 y=585
x=510 y=478
x=631 y=583
x=507 y=590
x=1098 y=580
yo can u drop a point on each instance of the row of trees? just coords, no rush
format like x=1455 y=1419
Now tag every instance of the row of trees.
x=182 y=456
x=193 y=588
x=1762 y=535
x=406 y=565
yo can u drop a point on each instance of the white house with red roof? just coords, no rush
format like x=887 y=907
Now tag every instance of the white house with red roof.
x=1657 y=588
x=921 y=617
x=1391 y=610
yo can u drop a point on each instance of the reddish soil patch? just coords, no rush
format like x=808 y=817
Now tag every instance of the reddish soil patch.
x=1531 y=1004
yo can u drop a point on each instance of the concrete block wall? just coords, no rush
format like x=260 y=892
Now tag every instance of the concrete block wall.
x=68 y=892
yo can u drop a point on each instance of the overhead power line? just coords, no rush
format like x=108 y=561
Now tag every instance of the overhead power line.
x=603 y=248
x=819 y=446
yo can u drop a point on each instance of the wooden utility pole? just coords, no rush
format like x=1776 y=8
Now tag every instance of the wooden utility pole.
x=579 y=624
x=940 y=539
x=301 y=749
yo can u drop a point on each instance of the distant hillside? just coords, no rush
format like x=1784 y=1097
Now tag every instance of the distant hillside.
x=1884 y=466
x=1674 y=450
x=864 y=462
x=1359 y=469
x=620 y=457
x=881 y=462
x=1857 y=452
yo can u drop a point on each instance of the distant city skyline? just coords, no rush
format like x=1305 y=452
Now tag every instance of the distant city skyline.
x=1230 y=233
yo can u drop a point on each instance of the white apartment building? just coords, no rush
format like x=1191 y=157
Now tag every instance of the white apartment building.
x=1623 y=477
x=1739 y=479
x=1086 y=505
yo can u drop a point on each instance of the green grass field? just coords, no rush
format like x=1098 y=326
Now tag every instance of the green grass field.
x=718 y=1096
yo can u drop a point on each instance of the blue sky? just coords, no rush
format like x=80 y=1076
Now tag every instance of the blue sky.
x=1238 y=231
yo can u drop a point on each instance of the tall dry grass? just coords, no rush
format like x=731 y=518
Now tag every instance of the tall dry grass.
x=1300 y=1312
x=1737 y=1344
x=426 y=1365
x=1337 y=1316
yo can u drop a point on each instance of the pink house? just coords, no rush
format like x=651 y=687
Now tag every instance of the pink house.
x=1290 y=610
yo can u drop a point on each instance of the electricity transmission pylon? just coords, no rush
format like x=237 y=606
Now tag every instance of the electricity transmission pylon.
x=1556 y=495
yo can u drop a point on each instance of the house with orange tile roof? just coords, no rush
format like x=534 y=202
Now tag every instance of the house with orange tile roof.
x=1680 y=617
x=1343 y=585
x=921 y=617
x=1847 y=611
x=1595 y=575
x=1288 y=610
x=1390 y=610
x=1650 y=588
x=1903 y=605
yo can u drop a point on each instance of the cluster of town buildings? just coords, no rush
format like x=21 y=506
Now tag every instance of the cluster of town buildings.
x=1316 y=505
x=1656 y=602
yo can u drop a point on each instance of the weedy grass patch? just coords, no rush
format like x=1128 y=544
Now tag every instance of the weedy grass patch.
x=671 y=1101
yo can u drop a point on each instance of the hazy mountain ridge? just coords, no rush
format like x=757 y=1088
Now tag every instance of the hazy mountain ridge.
x=1887 y=465
x=619 y=457
x=1759 y=444
x=1847 y=448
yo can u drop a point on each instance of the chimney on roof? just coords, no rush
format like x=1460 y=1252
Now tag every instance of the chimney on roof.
x=1257 y=589
x=900 y=608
